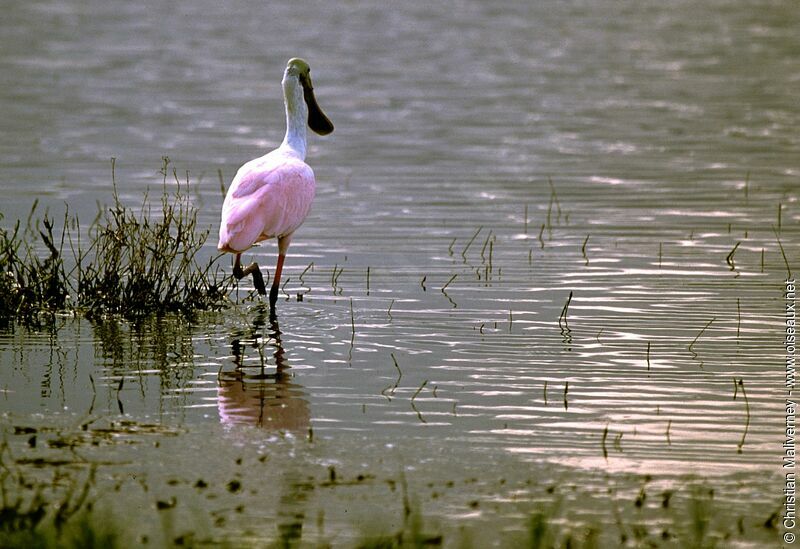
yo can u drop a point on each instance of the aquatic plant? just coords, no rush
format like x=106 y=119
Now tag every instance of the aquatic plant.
x=412 y=534
x=36 y=522
x=141 y=265
x=30 y=284
x=539 y=535
x=136 y=264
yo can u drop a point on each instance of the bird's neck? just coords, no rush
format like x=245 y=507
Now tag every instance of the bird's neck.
x=296 y=117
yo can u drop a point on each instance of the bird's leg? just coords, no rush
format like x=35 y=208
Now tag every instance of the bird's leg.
x=273 y=292
x=258 y=278
x=283 y=247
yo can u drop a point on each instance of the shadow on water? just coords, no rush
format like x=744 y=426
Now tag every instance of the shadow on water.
x=260 y=391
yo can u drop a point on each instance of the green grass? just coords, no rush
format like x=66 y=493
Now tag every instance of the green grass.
x=81 y=532
x=32 y=521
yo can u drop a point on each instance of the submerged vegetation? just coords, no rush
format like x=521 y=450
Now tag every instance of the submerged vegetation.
x=33 y=521
x=135 y=264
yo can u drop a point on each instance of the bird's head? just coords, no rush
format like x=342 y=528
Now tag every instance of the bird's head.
x=317 y=121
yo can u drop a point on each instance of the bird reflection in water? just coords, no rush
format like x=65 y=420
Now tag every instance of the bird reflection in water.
x=262 y=394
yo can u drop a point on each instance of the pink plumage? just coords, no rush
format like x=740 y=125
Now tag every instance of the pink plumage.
x=270 y=197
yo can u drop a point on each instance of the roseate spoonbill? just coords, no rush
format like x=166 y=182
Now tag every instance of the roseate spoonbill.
x=270 y=196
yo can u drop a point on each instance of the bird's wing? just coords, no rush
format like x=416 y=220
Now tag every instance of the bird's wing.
x=266 y=201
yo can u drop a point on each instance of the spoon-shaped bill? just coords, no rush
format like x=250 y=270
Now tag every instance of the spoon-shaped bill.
x=317 y=120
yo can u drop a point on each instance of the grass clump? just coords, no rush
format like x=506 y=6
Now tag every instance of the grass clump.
x=135 y=265
x=144 y=264
x=30 y=284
